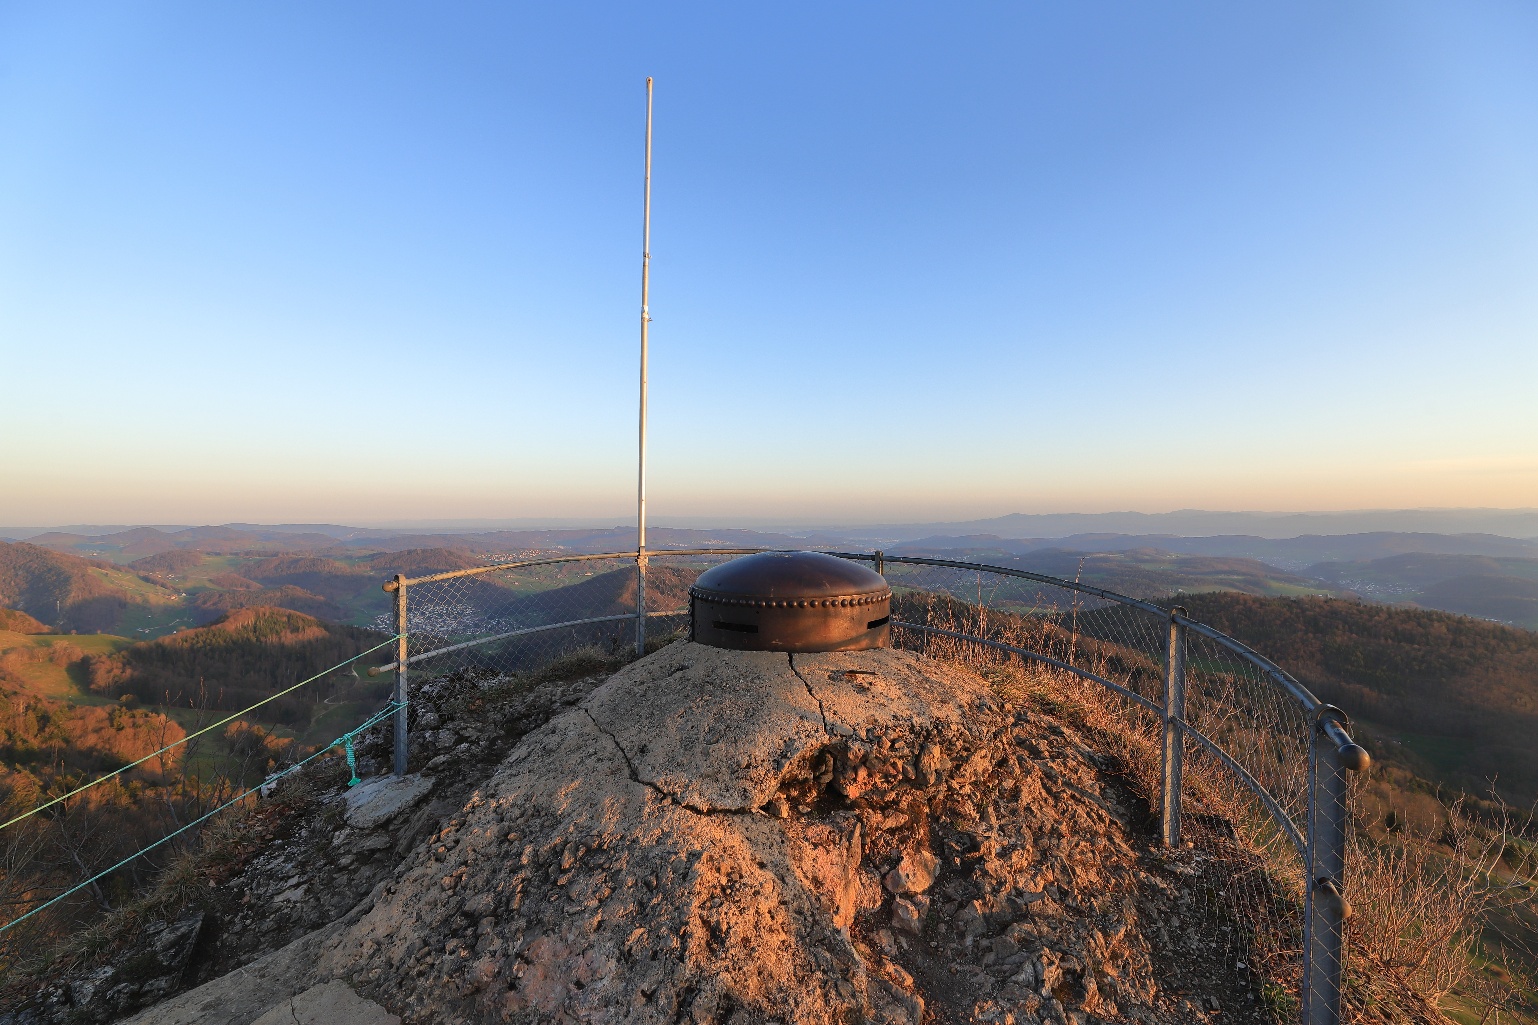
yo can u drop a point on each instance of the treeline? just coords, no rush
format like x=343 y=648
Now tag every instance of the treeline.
x=1470 y=686
x=243 y=657
x=49 y=739
x=49 y=748
x=16 y=621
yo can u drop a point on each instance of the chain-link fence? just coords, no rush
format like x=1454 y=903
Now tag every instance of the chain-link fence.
x=1242 y=767
x=496 y=622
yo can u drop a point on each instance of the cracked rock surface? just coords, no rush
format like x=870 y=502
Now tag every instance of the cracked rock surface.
x=751 y=837
x=330 y=1004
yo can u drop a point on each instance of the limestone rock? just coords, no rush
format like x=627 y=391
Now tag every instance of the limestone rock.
x=242 y=996
x=155 y=969
x=748 y=838
x=379 y=799
x=618 y=867
x=915 y=873
x=908 y=915
x=331 y=1004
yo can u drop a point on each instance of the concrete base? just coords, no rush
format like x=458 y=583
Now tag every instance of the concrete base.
x=332 y=1004
x=379 y=799
x=274 y=990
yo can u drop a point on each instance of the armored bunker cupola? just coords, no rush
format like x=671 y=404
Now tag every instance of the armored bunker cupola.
x=790 y=601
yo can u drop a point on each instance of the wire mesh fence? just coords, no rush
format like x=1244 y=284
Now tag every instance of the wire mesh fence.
x=1241 y=826
x=494 y=623
x=1225 y=747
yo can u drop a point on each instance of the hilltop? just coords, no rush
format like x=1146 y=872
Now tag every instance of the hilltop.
x=18 y=622
x=311 y=864
x=240 y=658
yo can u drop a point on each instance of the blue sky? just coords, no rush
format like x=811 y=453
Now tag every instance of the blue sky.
x=376 y=262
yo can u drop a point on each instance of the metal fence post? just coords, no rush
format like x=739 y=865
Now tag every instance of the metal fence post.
x=1172 y=763
x=1325 y=908
x=880 y=561
x=400 y=675
x=640 y=605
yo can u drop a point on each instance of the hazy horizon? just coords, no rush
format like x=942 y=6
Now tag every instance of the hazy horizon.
x=1518 y=522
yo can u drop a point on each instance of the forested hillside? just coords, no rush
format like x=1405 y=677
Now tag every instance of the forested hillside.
x=71 y=593
x=1455 y=697
x=14 y=621
x=241 y=658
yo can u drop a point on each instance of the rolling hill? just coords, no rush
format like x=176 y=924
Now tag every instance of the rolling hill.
x=17 y=622
x=242 y=657
x=156 y=594
x=70 y=593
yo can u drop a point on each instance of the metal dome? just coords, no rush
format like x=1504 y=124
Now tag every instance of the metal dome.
x=790 y=601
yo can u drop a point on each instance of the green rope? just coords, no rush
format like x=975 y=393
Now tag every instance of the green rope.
x=352 y=762
x=345 y=738
x=192 y=736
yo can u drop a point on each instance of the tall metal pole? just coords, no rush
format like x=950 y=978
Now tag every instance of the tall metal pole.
x=646 y=265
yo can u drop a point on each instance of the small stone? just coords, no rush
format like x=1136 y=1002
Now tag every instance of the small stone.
x=915 y=873
x=907 y=917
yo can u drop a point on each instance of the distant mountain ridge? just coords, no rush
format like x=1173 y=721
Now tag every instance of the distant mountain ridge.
x=1518 y=523
x=146 y=580
x=1294 y=553
x=1290 y=552
x=1512 y=523
x=142 y=543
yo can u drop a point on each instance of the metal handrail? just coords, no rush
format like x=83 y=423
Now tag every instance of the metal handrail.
x=1276 y=673
x=1099 y=592
x=392 y=584
x=1271 y=669
x=524 y=632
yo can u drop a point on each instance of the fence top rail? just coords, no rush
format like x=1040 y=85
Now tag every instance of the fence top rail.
x=1271 y=670
x=1274 y=672
x=390 y=585
x=1099 y=592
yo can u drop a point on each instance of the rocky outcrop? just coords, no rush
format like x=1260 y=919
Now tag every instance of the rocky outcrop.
x=722 y=836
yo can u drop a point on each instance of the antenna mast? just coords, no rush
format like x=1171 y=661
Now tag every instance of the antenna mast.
x=646 y=262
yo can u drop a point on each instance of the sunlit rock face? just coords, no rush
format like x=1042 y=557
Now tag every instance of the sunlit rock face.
x=741 y=836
